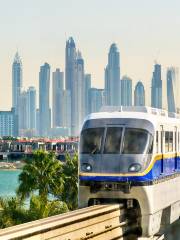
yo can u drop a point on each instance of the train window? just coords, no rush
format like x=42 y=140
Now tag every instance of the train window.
x=170 y=141
x=135 y=141
x=113 y=140
x=157 y=141
x=150 y=148
x=166 y=141
x=175 y=139
x=91 y=140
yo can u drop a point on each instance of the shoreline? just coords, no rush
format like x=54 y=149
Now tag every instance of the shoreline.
x=11 y=165
x=10 y=169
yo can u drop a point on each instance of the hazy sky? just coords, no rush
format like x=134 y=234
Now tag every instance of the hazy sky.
x=144 y=30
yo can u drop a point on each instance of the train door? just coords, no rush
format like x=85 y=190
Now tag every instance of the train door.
x=175 y=146
x=162 y=148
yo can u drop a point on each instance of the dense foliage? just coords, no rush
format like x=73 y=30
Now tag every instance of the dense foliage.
x=49 y=185
x=70 y=177
x=12 y=212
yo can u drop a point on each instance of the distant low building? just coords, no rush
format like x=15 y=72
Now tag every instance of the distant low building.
x=8 y=123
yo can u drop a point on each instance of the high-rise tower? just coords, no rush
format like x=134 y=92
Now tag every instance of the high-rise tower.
x=57 y=98
x=79 y=93
x=31 y=94
x=156 y=87
x=70 y=63
x=112 y=77
x=126 y=91
x=44 y=110
x=96 y=99
x=139 y=94
x=172 y=89
x=70 y=78
x=16 y=81
x=23 y=113
x=87 y=79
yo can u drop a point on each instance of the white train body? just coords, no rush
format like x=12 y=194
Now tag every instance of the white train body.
x=132 y=155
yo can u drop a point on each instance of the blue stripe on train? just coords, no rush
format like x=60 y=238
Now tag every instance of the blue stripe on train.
x=161 y=169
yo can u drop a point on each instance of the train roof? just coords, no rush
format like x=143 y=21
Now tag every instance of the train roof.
x=153 y=115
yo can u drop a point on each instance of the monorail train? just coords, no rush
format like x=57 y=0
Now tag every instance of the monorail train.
x=132 y=155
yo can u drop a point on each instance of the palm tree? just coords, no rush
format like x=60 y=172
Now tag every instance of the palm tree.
x=43 y=174
x=70 y=176
x=52 y=208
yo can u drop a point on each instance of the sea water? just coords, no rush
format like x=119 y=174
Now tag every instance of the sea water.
x=8 y=182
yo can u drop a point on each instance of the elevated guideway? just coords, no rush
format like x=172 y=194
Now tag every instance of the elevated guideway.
x=100 y=222
x=96 y=222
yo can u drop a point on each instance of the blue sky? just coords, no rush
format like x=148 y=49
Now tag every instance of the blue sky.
x=144 y=30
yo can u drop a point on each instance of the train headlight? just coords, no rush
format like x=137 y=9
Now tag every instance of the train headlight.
x=86 y=167
x=135 y=167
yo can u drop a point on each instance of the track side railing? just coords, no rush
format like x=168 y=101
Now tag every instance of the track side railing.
x=96 y=222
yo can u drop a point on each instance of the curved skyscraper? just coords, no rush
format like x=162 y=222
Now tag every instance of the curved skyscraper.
x=139 y=94
x=112 y=77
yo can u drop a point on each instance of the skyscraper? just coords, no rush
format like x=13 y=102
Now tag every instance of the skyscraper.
x=66 y=109
x=126 y=91
x=70 y=62
x=31 y=101
x=57 y=98
x=139 y=94
x=87 y=87
x=37 y=122
x=44 y=110
x=70 y=78
x=79 y=93
x=96 y=99
x=156 y=87
x=27 y=112
x=112 y=77
x=23 y=113
x=16 y=81
x=172 y=89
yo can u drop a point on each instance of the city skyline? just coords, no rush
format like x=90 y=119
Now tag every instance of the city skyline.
x=43 y=40
x=73 y=97
x=18 y=57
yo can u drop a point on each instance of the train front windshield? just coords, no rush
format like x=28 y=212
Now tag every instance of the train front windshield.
x=115 y=149
x=91 y=140
x=117 y=141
